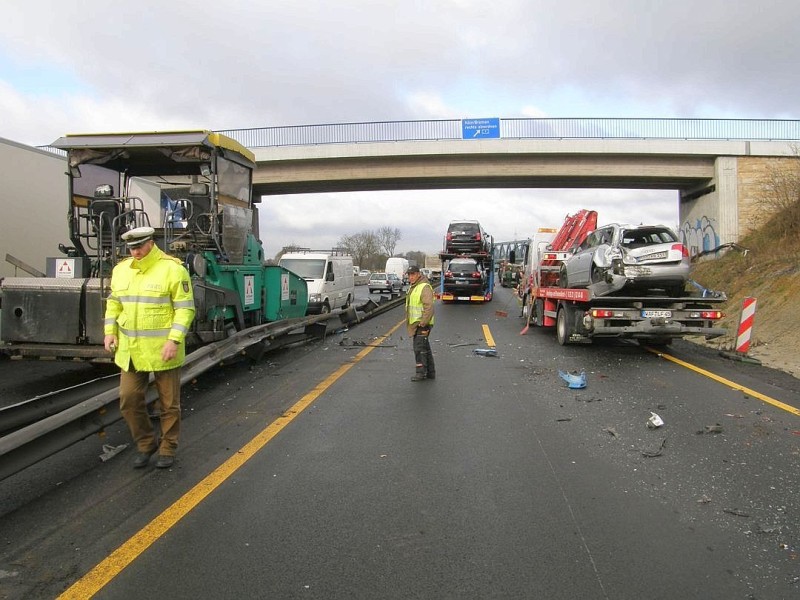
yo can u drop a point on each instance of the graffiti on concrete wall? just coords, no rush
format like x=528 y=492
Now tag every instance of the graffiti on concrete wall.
x=700 y=237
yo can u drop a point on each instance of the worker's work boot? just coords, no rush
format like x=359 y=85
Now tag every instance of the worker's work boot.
x=164 y=461
x=142 y=458
x=420 y=375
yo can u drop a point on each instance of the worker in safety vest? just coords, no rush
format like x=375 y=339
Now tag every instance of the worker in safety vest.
x=419 y=313
x=148 y=314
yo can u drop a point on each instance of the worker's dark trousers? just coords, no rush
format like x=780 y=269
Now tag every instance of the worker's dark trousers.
x=424 y=356
x=132 y=389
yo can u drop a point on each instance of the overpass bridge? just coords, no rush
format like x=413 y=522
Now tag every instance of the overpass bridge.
x=719 y=167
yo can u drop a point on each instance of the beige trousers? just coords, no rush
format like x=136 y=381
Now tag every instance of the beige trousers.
x=132 y=389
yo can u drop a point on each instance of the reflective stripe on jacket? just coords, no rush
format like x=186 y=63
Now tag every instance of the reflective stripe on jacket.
x=150 y=302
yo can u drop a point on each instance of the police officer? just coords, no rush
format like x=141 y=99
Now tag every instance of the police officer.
x=419 y=313
x=148 y=314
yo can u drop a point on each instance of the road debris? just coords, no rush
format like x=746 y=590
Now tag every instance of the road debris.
x=703 y=499
x=653 y=454
x=110 y=451
x=575 y=381
x=485 y=351
x=716 y=428
x=612 y=432
x=654 y=422
x=735 y=512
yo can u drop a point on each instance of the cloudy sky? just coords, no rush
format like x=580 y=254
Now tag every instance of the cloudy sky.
x=99 y=66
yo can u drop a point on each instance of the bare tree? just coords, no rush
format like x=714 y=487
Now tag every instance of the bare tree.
x=363 y=247
x=781 y=196
x=388 y=238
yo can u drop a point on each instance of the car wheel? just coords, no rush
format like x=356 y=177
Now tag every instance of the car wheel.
x=371 y=291
x=598 y=275
x=326 y=308
x=562 y=277
x=347 y=302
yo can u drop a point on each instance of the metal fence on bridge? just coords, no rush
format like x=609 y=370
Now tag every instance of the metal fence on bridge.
x=567 y=128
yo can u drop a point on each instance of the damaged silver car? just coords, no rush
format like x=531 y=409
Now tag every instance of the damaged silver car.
x=633 y=258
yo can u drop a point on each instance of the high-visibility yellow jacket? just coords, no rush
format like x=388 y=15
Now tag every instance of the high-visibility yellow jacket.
x=150 y=302
x=419 y=305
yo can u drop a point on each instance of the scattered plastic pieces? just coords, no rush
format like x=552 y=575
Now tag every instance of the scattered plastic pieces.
x=653 y=454
x=110 y=451
x=654 y=422
x=574 y=381
x=485 y=351
x=717 y=428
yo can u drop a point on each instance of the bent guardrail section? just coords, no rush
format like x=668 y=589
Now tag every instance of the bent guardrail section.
x=35 y=442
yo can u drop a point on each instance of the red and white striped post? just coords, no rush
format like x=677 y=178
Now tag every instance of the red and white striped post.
x=745 y=325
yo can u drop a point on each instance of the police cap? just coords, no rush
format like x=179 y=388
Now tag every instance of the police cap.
x=138 y=236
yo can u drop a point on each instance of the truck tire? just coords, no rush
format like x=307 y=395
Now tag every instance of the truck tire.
x=564 y=324
x=538 y=312
x=326 y=308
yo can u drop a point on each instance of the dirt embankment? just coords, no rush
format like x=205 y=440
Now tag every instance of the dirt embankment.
x=768 y=270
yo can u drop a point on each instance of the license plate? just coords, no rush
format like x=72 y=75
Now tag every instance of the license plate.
x=655 y=256
x=463 y=298
x=649 y=314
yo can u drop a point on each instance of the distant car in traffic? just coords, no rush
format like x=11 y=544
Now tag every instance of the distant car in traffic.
x=651 y=257
x=379 y=282
x=397 y=283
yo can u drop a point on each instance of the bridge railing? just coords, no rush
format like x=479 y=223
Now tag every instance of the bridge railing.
x=565 y=128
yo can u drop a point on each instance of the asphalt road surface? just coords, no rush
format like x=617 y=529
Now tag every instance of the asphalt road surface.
x=324 y=472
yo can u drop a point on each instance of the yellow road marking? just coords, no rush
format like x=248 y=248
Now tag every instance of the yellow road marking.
x=119 y=559
x=488 y=336
x=728 y=382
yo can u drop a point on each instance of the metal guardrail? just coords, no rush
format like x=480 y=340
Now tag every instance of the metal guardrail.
x=543 y=128
x=567 y=128
x=37 y=441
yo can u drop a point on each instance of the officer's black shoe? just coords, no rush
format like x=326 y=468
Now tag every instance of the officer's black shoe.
x=431 y=375
x=142 y=458
x=164 y=462
x=419 y=377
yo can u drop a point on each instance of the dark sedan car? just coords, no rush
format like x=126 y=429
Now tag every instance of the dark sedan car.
x=464 y=276
x=466 y=237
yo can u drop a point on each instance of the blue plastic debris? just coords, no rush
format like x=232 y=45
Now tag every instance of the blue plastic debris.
x=574 y=381
x=485 y=351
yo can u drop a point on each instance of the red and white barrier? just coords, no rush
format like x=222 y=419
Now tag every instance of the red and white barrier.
x=745 y=325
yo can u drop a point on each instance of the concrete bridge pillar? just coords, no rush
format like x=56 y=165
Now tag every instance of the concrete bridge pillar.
x=733 y=203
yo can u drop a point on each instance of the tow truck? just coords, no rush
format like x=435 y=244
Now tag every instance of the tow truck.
x=581 y=314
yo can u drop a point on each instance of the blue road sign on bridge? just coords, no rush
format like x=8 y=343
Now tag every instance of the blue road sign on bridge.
x=480 y=128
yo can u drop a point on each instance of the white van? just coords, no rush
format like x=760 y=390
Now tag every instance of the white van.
x=328 y=274
x=398 y=266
